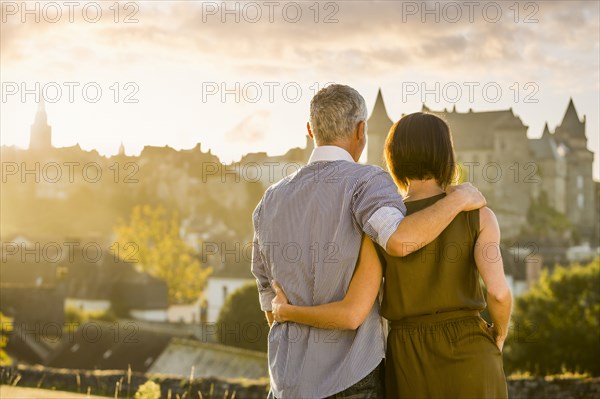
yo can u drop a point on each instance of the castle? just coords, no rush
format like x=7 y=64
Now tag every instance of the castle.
x=510 y=169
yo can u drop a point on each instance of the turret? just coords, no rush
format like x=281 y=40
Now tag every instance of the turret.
x=546 y=131
x=378 y=127
x=571 y=127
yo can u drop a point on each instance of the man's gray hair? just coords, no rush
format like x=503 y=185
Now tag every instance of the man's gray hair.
x=334 y=113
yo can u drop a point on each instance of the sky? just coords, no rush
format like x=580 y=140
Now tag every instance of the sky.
x=238 y=76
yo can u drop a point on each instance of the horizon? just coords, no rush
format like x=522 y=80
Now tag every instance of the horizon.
x=279 y=152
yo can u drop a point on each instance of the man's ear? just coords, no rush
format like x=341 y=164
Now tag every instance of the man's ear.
x=310 y=133
x=360 y=131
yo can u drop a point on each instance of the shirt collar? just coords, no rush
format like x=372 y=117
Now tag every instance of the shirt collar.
x=329 y=153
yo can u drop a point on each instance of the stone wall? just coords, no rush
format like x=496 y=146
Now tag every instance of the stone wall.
x=105 y=382
x=554 y=388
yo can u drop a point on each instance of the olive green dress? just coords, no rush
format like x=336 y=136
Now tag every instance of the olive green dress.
x=438 y=345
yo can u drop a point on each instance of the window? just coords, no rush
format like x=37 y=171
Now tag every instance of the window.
x=580 y=200
x=579 y=182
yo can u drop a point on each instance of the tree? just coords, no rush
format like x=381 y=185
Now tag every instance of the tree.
x=5 y=327
x=151 y=238
x=241 y=322
x=557 y=323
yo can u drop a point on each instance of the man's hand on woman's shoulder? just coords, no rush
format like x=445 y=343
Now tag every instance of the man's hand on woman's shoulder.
x=470 y=197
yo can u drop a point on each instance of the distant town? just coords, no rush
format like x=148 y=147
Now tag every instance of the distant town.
x=62 y=208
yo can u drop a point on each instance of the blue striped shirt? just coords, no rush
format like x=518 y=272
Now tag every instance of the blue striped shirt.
x=307 y=234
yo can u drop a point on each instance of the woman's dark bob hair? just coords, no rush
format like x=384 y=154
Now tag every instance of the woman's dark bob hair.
x=419 y=147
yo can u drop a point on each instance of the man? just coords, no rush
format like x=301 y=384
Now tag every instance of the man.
x=307 y=233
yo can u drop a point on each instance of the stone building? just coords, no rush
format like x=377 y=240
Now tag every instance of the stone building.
x=510 y=169
x=492 y=148
x=566 y=170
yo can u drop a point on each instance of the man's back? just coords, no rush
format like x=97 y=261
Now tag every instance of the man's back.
x=308 y=229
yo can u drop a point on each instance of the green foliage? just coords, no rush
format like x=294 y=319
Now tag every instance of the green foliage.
x=242 y=322
x=148 y=390
x=152 y=238
x=557 y=323
x=5 y=328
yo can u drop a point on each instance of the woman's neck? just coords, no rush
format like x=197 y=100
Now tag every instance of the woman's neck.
x=419 y=189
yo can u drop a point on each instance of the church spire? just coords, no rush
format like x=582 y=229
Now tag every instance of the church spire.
x=41 y=116
x=42 y=104
x=41 y=133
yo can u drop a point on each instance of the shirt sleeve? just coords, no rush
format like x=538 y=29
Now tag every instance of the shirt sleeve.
x=259 y=267
x=378 y=208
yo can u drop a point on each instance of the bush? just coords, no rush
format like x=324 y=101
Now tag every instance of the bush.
x=241 y=321
x=557 y=323
x=5 y=327
x=148 y=390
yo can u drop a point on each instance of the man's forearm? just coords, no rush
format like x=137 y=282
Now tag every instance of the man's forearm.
x=419 y=229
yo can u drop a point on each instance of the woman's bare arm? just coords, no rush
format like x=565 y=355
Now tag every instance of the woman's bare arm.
x=350 y=312
x=490 y=266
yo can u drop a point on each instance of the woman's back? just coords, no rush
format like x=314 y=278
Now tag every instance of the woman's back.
x=439 y=345
x=440 y=277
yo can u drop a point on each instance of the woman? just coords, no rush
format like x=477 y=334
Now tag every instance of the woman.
x=438 y=344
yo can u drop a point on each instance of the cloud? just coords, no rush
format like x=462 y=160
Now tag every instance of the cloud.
x=368 y=39
x=251 y=129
